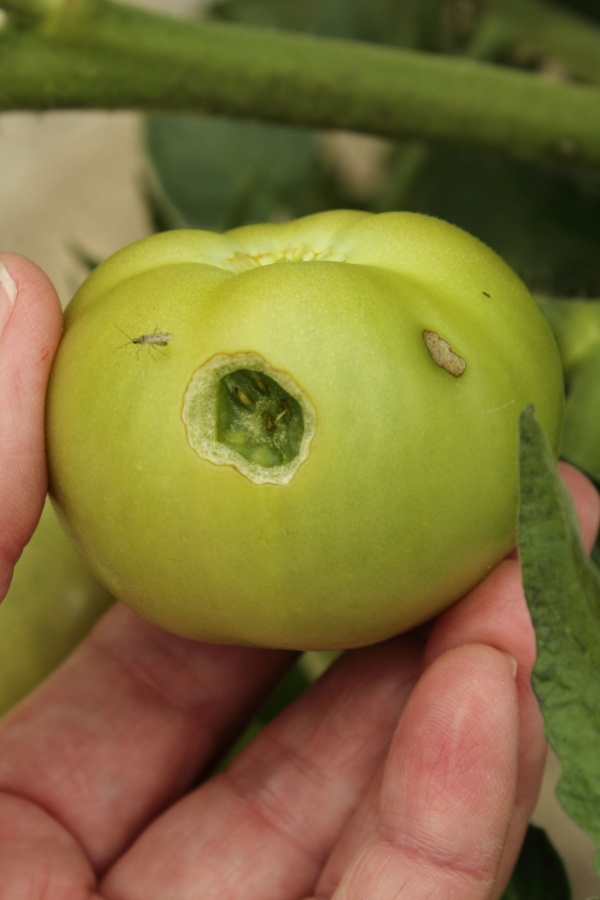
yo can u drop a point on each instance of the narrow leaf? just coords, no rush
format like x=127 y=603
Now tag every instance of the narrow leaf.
x=563 y=592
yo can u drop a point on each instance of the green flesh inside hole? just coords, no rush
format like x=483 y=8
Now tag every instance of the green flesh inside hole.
x=258 y=419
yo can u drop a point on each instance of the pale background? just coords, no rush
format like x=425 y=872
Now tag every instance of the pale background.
x=71 y=182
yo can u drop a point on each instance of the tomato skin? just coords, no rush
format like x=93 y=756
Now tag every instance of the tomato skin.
x=407 y=493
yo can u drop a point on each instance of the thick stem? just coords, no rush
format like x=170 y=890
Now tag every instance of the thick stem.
x=97 y=54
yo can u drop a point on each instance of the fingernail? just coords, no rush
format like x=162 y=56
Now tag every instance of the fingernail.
x=8 y=295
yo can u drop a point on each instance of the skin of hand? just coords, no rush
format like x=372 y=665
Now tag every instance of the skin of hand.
x=409 y=770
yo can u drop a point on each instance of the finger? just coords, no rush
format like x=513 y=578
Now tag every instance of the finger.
x=496 y=613
x=447 y=788
x=38 y=858
x=30 y=323
x=125 y=726
x=361 y=826
x=264 y=828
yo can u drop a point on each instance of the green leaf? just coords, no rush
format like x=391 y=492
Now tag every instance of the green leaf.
x=563 y=592
x=219 y=173
x=539 y=873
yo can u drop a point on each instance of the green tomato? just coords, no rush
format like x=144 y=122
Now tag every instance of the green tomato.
x=52 y=603
x=309 y=439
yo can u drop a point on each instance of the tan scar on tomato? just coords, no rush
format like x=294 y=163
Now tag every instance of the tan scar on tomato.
x=443 y=355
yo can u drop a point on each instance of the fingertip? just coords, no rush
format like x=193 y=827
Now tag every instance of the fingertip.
x=449 y=782
x=33 y=299
x=467 y=689
x=31 y=327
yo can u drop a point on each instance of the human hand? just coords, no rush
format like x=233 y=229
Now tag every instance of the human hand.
x=410 y=769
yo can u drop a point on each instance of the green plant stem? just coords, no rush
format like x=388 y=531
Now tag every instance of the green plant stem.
x=556 y=35
x=97 y=54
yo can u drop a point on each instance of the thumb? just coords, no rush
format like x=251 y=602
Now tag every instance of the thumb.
x=30 y=326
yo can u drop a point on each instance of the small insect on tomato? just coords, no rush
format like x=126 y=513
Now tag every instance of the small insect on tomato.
x=154 y=340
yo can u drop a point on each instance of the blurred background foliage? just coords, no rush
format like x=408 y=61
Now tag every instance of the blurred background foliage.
x=218 y=173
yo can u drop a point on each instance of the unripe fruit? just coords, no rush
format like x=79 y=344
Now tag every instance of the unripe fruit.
x=310 y=439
